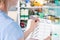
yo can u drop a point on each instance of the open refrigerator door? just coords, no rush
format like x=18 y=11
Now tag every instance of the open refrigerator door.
x=47 y=12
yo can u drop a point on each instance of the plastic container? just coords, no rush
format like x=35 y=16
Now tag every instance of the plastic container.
x=57 y=2
x=41 y=15
x=57 y=12
x=55 y=36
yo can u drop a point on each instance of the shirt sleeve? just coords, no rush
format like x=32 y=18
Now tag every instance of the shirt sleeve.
x=12 y=32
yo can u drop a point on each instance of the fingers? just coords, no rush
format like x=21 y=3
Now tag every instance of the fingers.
x=34 y=23
x=48 y=38
x=37 y=20
x=33 y=39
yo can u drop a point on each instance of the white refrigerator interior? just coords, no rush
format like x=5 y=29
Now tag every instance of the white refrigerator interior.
x=56 y=32
x=42 y=30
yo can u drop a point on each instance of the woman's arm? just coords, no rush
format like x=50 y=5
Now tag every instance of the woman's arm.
x=32 y=27
x=48 y=38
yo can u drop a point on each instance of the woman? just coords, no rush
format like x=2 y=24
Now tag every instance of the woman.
x=9 y=30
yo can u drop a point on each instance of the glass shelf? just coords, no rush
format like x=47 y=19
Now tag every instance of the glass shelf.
x=43 y=7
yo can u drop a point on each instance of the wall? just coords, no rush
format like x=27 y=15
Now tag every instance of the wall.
x=13 y=15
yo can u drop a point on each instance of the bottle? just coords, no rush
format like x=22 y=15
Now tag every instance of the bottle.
x=22 y=24
x=55 y=36
x=26 y=14
x=41 y=15
x=22 y=3
x=27 y=3
x=22 y=14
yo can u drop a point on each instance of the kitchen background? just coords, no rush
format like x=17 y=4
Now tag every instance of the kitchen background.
x=45 y=9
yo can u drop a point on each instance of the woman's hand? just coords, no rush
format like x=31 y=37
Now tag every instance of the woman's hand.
x=48 y=38
x=34 y=23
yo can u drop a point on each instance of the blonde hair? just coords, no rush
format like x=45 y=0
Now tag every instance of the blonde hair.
x=3 y=1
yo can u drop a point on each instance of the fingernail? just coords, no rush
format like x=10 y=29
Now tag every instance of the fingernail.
x=35 y=20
